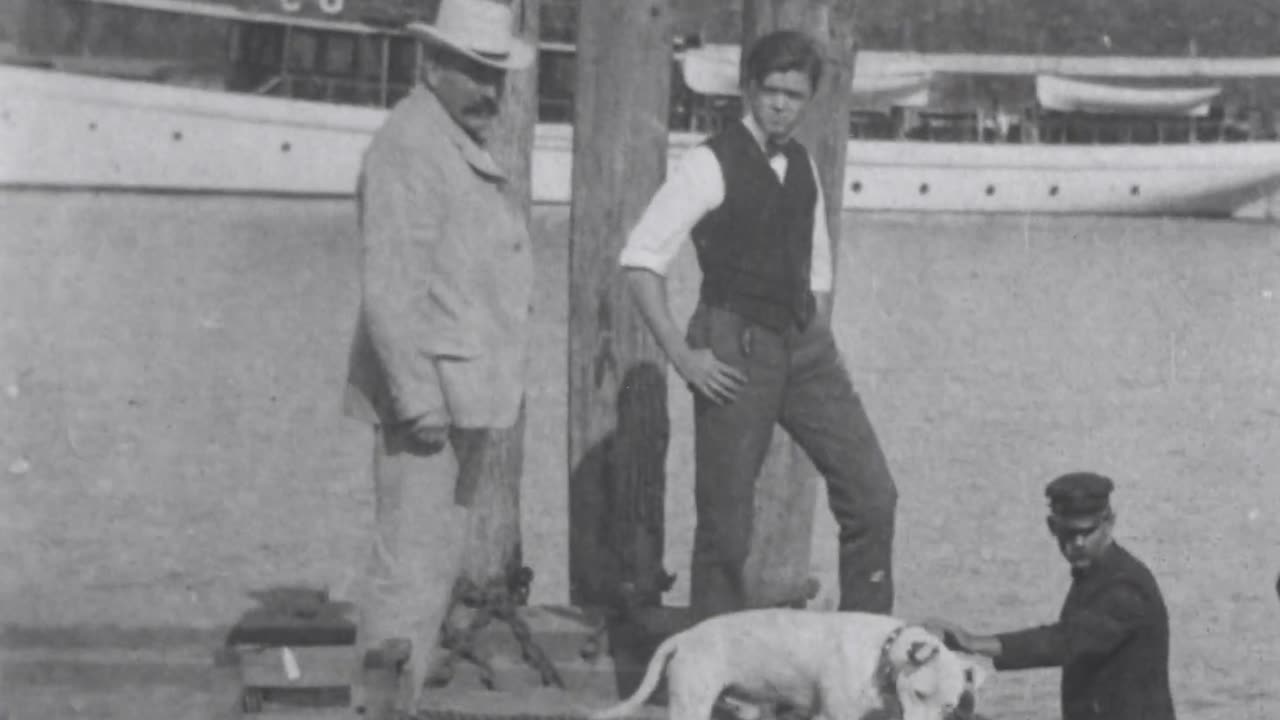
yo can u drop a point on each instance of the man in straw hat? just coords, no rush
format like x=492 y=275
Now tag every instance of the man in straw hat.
x=1112 y=637
x=759 y=351
x=437 y=360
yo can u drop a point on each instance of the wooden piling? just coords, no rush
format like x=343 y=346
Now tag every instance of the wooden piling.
x=618 y=424
x=494 y=541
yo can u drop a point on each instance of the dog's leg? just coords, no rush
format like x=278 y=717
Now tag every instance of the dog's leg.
x=690 y=696
x=740 y=708
x=696 y=687
x=698 y=707
x=835 y=700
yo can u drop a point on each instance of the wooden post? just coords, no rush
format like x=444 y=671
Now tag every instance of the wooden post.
x=618 y=424
x=494 y=534
x=786 y=491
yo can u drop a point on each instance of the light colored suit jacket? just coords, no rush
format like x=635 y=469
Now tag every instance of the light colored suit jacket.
x=447 y=278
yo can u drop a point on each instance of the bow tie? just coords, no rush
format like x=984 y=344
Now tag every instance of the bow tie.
x=771 y=151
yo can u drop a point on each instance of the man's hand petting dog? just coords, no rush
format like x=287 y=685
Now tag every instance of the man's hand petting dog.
x=709 y=377
x=953 y=636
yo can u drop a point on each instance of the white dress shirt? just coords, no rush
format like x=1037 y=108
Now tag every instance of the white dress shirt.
x=694 y=188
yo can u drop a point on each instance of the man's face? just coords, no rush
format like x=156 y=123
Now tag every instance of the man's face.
x=778 y=101
x=1081 y=541
x=469 y=91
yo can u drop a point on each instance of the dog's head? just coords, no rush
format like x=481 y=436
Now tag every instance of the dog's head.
x=930 y=681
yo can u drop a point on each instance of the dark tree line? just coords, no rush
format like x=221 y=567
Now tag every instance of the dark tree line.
x=1134 y=27
x=1130 y=27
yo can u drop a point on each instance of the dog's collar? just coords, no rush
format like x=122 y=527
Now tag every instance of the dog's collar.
x=887 y=645
x=887 y=677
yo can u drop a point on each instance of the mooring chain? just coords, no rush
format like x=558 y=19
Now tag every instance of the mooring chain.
x=501 y=600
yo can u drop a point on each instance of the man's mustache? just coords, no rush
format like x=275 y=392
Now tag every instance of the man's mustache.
x=483 y=108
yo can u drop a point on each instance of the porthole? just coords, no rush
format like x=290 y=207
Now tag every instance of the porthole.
x=1134 y=190
x=991 y=189
x=924 y=188
x=1053 y=190
x=93 y=126
x=285 y=147
x=177 y=135
x=856 y=186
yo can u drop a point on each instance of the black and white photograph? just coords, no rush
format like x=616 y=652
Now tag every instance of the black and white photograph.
x=640 y=359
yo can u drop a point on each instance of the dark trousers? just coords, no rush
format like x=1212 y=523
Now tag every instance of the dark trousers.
x=796 y=379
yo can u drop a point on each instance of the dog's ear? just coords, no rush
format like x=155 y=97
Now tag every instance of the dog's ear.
x=921 y=652
x=914 y=648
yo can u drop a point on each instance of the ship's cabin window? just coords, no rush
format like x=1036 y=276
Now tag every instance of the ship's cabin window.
x=303 y=48
x=257 y=54
x=556 y=83
x=312 y=64
x=402 y=67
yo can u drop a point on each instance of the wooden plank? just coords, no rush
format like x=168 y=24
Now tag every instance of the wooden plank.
x=778 y=567
x=618 y=423
x=494 y=542
x=316 y=666
x=537 y=704
x=226 y=685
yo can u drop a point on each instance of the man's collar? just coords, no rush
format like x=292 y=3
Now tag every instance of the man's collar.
x=757 y=133
x=1107 y=556
x=475 y=155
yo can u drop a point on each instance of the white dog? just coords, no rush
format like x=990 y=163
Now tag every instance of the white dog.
x=830 y=665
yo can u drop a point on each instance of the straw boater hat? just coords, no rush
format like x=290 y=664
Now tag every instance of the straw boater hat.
x=478 y=29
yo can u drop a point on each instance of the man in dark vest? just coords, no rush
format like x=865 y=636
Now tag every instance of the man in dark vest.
x=759 y=349
x=1112 y=637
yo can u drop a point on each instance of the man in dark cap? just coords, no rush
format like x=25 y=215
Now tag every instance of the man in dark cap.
x=1112 y=637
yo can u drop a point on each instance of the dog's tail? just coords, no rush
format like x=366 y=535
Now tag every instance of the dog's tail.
x=653 y=673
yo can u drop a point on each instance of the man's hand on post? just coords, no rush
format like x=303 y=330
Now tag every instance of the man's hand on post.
x=707 y=375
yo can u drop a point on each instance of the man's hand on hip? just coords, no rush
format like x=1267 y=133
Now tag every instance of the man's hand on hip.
x=707 y=375
x=700 y=368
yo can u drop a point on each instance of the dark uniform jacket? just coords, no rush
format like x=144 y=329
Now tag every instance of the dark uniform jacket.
x=1111 y=641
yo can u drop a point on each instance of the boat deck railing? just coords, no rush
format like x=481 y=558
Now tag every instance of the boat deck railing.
x=709 y=114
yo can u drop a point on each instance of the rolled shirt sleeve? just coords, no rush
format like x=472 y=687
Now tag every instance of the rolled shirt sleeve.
x=694 y=188
x=821 y=270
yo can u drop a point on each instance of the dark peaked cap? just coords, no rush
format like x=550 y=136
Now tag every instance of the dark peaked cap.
x=1079 y=494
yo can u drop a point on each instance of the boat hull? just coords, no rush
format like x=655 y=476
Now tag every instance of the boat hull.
x=64 y=130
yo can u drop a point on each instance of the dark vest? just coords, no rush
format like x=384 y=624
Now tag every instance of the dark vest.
x=755 y=249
